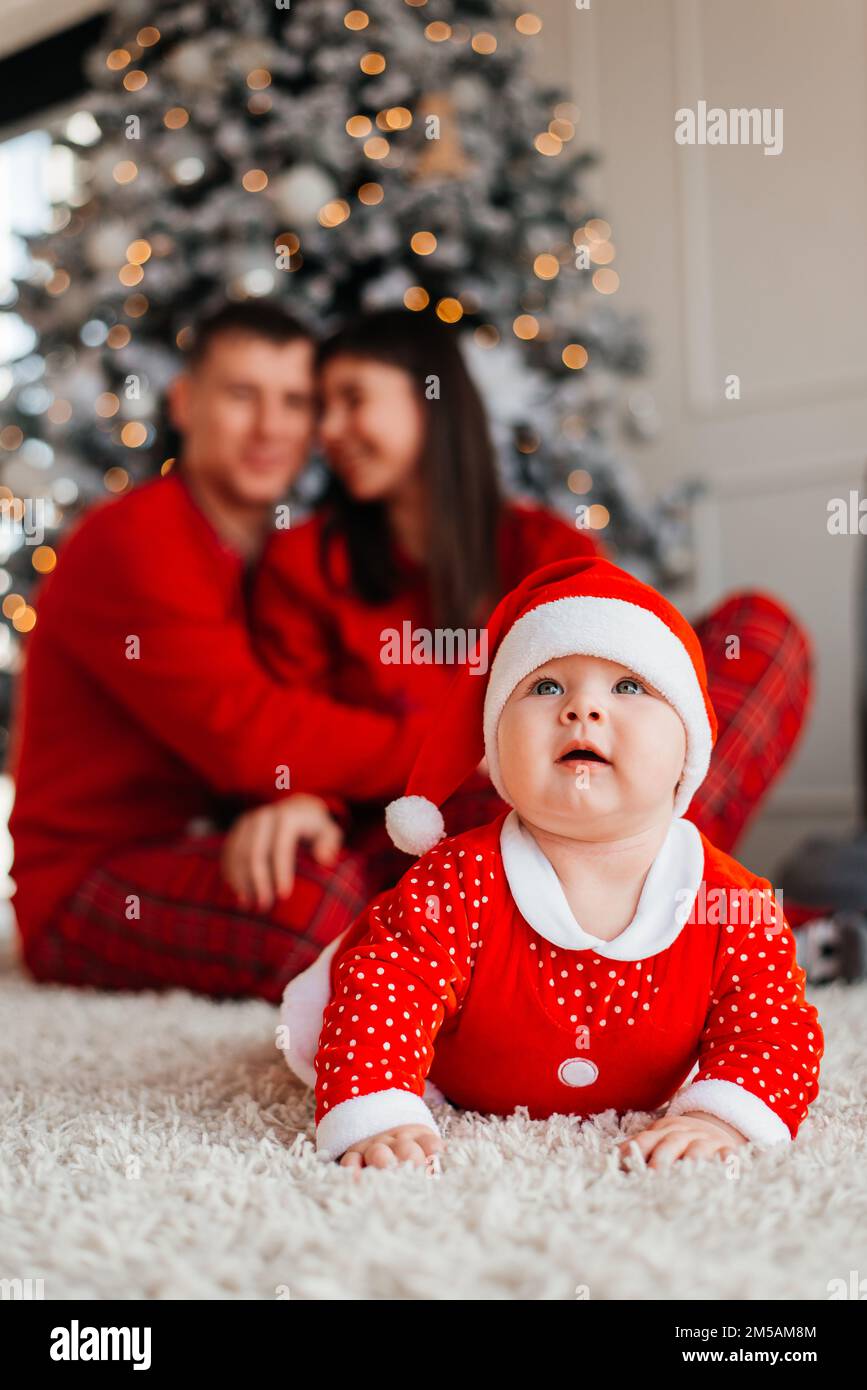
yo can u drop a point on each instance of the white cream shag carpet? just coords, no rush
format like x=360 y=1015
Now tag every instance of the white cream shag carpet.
x=154 y=1146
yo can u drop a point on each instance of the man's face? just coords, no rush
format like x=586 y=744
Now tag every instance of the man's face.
x=246 y=413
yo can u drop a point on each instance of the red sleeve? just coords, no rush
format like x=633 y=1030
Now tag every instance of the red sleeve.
x=196 y=684
x=406 y=972
x=291 y=630
x=762 y=1043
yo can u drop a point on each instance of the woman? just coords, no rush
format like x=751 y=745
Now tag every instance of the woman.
x=415 y=537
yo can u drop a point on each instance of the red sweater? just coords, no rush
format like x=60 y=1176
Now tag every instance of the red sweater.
x=306 y=628
x=113 y=749
x=474 y=972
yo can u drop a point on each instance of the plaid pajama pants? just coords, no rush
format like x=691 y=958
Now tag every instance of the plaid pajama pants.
x=161 y=916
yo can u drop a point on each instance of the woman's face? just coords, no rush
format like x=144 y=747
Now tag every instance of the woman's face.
x=372 y=426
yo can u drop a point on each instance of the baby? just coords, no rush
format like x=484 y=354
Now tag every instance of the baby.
x=587 y=950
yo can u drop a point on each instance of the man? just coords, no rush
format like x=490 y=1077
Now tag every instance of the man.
x=143 y=709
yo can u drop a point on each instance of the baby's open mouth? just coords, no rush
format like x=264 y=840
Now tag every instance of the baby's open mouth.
x=575 y=755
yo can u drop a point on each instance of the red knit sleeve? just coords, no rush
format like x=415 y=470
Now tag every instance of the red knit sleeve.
x=191 y=677
x=291 y=627
x=762 y=1042
x=406 y=973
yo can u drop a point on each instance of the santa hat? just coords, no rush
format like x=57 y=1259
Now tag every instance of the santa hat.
x=585 y=607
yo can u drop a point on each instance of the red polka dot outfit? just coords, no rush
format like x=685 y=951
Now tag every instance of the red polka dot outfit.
x=471 y=979
x=444 y=979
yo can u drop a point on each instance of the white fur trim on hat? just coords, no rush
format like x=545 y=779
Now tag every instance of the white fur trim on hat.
x=615 y=630
x=414 y=824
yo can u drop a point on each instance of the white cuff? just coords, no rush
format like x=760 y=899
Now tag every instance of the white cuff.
x=741 y=1108
x=353 y=1120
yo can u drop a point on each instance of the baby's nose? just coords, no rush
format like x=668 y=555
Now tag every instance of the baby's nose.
x=583 y=709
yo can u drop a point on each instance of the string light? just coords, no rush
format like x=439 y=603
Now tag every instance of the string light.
x=546 y=266
x=597 y=229
x=486 y=335
x=60 y=411
x=258 y=79
x=548 y=144
x=289 y=242
x=602 y=252
x=188 y=170
x=107 y=405
x=598 y=517
x=358 y=126
x=43 y=559
x=484 y=43
x=148 y=36
x=82 y=128
x=356 y=19
x=184 y=337
x=333 y=213
x=117 y=59
x=525 y=326
x=116 y=479
x=416 y=298
x=563 y=130
x=259 y=103
x=372 y=64
x=135 y=305
x=59 y=283
x=377 y=147
x=423 y=243
x=11 y=438
x=450 y=310
x=138 y=251
x=130 y=275
x=166 y=466
x=175 y=118
x=119 y=336
x=398 y=117
x=575 y=356
x=438 y=31
x=25 y=619
x=371 y=194
x=528 y=24
x=134 y=434
x=11 y=604
x=606 y=281
x=135 y=80
x=579 y=481
x=125 y=171
x=255 y=180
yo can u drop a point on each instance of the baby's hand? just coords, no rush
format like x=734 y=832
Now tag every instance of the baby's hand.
x=693 y=1135
x=415 y=1143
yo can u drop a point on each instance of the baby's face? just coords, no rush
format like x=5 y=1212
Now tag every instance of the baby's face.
x=583 y=700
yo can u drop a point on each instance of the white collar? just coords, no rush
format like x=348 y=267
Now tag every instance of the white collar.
x=666 y=900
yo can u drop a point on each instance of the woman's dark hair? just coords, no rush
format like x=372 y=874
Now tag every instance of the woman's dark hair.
x=458 y=464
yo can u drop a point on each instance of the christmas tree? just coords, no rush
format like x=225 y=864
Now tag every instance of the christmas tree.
x=340 y=159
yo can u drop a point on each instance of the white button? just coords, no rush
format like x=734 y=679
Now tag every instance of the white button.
x=578 y=1071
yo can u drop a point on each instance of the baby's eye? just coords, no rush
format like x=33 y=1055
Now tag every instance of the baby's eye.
x=544 y=687
x=630 y=680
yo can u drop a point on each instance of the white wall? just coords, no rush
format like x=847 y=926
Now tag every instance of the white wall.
x=752 y=264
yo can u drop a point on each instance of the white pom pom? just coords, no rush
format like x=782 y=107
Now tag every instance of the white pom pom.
x=414 y=824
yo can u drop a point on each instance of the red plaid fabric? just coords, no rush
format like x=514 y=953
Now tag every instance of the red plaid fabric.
x=188 y=930
x=162 y=916
x=761 y=696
